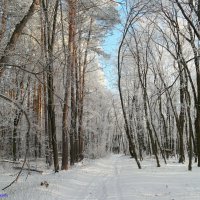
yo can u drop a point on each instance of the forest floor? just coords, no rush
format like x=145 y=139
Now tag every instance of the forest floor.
x=115 y=177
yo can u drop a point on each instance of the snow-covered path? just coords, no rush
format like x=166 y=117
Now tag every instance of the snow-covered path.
x=112 y=178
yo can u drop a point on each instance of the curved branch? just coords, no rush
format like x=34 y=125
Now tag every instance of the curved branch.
x=28 y=131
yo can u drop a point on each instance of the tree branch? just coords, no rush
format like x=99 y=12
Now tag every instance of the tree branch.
x=28 y=131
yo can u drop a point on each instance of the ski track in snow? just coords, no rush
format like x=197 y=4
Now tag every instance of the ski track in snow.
x=115 y=177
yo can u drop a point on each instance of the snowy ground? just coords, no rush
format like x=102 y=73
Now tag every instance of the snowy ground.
x=112 y=178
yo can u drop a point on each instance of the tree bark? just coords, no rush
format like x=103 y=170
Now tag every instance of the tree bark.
x=50 y=42
x=132 y=148
x=16 y=34
x=3 y=18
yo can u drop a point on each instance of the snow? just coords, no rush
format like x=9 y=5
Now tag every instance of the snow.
x=115 y=177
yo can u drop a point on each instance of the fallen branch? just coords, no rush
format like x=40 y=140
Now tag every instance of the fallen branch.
x=29 y=169
x=10 y=161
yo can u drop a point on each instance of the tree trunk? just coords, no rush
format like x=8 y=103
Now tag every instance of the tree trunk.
x=50 y=42
x=82 y=71
x=3 y=18
x=16 y=34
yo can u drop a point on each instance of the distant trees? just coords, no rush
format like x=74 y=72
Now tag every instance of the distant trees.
x=47 y=53
x=192 y=18
x=156 y=78
x=50 y=68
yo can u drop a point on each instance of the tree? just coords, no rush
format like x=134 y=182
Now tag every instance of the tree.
x=49 y=44
x=10 y=46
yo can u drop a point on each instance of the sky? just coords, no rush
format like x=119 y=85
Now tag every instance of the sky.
x=110 y=46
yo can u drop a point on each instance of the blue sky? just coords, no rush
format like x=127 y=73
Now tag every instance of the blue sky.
x=110 y=46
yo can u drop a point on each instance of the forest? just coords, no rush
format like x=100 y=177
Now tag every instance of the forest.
x=59 y=108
